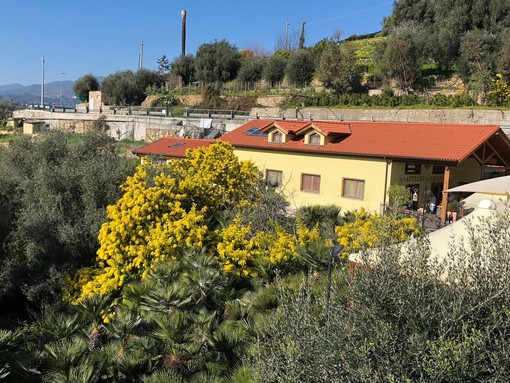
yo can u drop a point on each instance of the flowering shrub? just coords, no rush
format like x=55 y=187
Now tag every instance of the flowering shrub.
x=163 y=210
x=240 y=251
x=499 y=95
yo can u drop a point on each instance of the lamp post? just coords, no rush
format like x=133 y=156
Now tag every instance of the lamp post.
x=333 y=252
x=61 y=74
x=42 y=83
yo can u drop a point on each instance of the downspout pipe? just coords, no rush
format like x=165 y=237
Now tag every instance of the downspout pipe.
x=385 y=185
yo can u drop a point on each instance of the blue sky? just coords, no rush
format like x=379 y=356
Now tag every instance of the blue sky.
x=104 y=36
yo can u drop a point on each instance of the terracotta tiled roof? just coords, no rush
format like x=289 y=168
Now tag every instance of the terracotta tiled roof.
x=327 y=128
x=420 y=141
x=285 y=125
x=171 y=147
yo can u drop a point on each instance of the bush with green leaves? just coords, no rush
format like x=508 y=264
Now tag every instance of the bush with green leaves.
x=129 y=88
x=218 y=61
x=53 y=198
x=188 y=321
x=403 y=318
x=300 y=68
x=274 y=70
x=85 y=84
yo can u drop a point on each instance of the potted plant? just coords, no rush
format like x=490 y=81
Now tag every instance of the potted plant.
x=451 y=209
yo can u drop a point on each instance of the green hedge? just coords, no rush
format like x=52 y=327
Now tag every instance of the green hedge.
x=389 y=101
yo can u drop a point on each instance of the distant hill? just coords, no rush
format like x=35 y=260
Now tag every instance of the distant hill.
x=32 y=93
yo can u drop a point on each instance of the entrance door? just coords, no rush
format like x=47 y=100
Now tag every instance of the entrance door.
x=436 y=189
x=415 y=193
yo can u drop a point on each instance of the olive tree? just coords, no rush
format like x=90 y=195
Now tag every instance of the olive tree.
x=300 y=68
x=84 y=85
x=338 y=68
x=53 y=199
x=128 y=88
x=403 y=316
x=217 y=62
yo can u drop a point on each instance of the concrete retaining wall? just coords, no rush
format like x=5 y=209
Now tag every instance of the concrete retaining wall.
x=147 y=127
x=452 y=116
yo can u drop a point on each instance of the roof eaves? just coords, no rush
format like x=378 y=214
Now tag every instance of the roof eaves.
x=484 y=139
x=348 y=154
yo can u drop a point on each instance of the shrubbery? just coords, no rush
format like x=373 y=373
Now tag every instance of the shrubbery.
x=402 y=319
x=386 y=100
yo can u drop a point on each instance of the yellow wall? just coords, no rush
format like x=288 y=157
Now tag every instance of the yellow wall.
x=332 y=170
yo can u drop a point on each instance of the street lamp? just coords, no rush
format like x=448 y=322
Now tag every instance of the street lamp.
x=61 y=74
x=42 y=83
x=333 y=252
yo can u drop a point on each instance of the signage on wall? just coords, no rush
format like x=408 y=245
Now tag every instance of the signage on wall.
x=420 y=178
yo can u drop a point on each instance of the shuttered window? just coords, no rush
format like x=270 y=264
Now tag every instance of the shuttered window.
x=310 y=183
x=353 y=188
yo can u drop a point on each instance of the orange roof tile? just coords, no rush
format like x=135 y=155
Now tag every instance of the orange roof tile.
x=285 y=125
x=419 y=141
x=171 y=147
x=327 y=128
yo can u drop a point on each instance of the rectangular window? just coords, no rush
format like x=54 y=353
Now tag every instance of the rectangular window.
x=277 y=137
x=310 y=183
x=353 y=188
x=274 y=178
x=315 y=139
x=437 y=169
x=413 y=168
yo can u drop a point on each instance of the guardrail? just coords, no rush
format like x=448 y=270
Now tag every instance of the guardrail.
x=141 y=111
x=216 y=113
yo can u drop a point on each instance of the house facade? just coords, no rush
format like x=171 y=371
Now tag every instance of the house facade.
x=352 y=164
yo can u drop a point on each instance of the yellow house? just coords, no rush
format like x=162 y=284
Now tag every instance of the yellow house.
x=352 y=164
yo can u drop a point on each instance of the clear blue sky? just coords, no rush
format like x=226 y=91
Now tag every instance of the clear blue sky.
x=104 y=36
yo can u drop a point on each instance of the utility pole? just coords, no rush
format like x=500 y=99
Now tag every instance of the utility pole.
x=140 y=57
x=42 y=83
x=61 y=74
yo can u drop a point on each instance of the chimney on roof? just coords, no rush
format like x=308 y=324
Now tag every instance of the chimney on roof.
x=183 y=32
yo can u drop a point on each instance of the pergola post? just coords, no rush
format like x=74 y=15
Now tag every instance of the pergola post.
x=446 y=186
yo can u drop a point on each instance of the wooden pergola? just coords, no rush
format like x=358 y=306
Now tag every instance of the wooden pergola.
x=493 y=153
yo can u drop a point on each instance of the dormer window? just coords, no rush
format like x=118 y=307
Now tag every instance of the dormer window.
x=277 y=137
x=314 y=139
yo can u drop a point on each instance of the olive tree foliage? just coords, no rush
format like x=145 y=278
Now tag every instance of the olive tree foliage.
x=6 y=108
x=274 y=70
x=184 y=66
x=300 y=68
x=399 y=59
x=399 y=196
x=251 y=70
x=405 y=318
x=443 y=24
x=129 y=88
x=338 y=69
x=503 y=61
x=217 y=62
x=53 y=197
x=477 y=62
x=83 y=85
